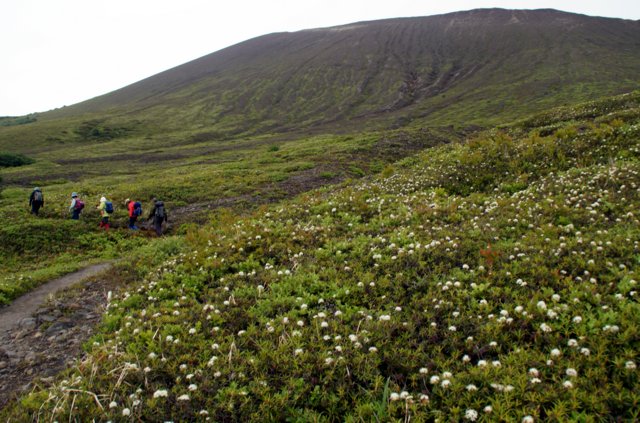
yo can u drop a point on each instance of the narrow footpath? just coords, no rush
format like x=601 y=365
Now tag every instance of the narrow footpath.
x=41 y=333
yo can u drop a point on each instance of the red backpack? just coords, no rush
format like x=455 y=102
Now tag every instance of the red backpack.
x=79 y=205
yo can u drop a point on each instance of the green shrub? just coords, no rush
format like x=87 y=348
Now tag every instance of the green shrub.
x=356 y=171
x=100 y=131
x=327 y=175
x=14 y=160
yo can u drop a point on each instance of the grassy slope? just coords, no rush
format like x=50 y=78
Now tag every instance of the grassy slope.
x=190 y=176
x=494 y=279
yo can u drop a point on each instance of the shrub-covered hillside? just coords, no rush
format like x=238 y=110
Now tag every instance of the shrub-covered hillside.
x=191 y=179
x=494 y=280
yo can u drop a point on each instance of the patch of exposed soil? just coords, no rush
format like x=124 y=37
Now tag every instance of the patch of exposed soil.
x=199 y=212
x=387 y=149
x=27 y=304
x=39 y=339
x=297 y=183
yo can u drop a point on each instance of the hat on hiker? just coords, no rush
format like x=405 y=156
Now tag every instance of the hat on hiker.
x=103 y=199
x=74 y=194
x=36 y=189
x=127 y=201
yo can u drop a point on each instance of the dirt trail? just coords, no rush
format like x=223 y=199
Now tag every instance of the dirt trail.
x=42 y=333
x=26 y=305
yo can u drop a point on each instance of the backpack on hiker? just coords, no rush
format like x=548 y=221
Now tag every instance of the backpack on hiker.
x=37 y=196
x=137 y=209
x=160 y=214
x=79 y=205
x=108 y=207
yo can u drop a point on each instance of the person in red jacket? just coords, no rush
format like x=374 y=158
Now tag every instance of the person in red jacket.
x=135 y=210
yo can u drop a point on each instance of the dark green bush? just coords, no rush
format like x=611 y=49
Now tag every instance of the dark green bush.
x=98 y=130
x=13 y=160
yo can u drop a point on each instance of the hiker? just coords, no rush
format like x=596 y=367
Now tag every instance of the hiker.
x=159 y=215
x=106 y=208
x=135 y=210
x=76 y=206
x=36 y=200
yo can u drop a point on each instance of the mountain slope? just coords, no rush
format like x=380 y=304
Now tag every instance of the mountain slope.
x=460 y=68
x=490 y=280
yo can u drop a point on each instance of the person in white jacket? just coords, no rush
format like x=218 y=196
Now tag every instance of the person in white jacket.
x=76 y=206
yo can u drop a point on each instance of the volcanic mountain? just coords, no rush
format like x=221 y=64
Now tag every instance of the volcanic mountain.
x=473 y=67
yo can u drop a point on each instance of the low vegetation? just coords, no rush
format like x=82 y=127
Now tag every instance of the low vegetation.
x=191 y=178
x=490 y=280
x=14 y=160
x=18 y=120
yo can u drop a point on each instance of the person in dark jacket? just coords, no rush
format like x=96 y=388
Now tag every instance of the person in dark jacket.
x=36 y=200
x=159 y=215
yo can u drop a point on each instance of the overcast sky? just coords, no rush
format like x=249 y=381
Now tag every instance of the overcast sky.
x=60 y=52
